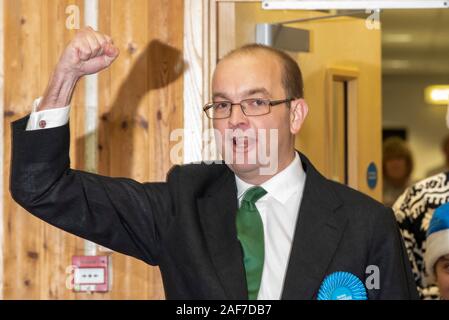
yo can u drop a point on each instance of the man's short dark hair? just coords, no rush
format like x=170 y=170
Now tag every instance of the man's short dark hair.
x=291 y=75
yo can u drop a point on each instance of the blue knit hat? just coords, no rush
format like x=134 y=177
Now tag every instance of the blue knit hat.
x=437 y=243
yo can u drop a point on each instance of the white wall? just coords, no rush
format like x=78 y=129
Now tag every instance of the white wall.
x=404 y=106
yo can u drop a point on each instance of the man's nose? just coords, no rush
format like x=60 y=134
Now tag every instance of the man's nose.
x=237 y=118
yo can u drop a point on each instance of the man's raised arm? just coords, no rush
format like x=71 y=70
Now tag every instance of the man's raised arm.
x=120 y=214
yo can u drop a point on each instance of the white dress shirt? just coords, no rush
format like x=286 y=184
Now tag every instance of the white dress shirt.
x=278 y=208
x=279 y=211
x=47 y=119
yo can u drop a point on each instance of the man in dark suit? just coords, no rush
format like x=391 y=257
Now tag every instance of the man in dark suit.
x=245 y=228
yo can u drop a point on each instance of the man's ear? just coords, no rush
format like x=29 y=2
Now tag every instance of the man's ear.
x=298 y=113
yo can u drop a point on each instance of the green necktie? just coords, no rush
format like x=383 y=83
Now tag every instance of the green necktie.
x=250 y=234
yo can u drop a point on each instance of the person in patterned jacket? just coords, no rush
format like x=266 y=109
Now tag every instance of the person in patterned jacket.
x=414 y=210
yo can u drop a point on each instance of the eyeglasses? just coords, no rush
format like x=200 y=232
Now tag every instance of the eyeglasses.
x=250 y=107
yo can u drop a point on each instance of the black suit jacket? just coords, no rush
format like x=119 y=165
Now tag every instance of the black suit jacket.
x=187 y=227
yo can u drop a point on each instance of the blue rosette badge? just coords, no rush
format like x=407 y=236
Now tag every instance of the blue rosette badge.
x=342 y=286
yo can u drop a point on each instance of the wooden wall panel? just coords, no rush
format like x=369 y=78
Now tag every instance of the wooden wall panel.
x=34 y=252
x=140 y=102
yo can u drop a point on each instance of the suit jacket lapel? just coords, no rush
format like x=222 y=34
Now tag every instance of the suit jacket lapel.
x=217 y=211
x=318 y=231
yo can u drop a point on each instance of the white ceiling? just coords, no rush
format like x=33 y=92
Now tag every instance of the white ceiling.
x=415 y=41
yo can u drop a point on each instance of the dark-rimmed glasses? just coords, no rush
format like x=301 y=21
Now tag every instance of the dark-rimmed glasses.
x=250 y=107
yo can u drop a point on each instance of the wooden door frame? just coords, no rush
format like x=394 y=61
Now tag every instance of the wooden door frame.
x=200 y=29
x=351 y=76
x=2 y=101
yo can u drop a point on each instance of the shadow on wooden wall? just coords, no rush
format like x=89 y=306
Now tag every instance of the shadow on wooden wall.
x=158 y=66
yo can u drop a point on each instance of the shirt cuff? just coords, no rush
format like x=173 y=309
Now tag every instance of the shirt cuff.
x=47 y=119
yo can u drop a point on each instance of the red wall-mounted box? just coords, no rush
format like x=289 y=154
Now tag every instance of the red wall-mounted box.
x=90 y=273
